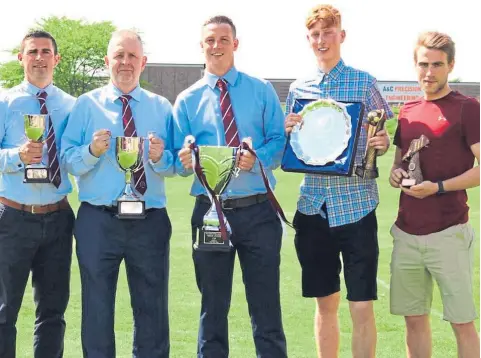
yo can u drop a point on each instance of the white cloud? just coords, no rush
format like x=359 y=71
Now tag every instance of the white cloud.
x=380 y=33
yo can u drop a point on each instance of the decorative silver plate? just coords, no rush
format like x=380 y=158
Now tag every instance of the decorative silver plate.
x=324 y=133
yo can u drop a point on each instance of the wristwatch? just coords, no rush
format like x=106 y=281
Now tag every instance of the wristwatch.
x=440 y=187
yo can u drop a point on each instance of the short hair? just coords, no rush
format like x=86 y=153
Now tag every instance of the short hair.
x=328 y=15
x=127 y=33
x=221 y=19
x=434 y=40
x=39 y=34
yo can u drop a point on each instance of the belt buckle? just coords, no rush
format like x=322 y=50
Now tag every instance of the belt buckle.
x=222 y=204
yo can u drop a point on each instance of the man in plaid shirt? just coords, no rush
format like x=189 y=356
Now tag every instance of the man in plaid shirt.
x=336 y=215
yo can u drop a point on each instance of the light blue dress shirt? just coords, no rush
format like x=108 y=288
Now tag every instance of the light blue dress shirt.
x=100 y=180
x=258 y=114
x=14 y=104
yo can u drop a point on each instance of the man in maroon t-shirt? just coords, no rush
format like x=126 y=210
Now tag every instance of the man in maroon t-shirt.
x=432 y=237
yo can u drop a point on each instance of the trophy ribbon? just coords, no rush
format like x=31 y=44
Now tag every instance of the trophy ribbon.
x=270 y=193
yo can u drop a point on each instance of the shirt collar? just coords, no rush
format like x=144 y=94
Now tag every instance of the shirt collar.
x=334 y=73
x=34 y=90
x=231 y=77
x=113 y=93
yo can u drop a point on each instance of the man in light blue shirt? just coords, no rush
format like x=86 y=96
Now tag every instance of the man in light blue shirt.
x=121 y=108
x=252 y=108
x=36 y=220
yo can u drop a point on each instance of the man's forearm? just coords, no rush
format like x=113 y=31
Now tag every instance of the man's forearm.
x=468 y=179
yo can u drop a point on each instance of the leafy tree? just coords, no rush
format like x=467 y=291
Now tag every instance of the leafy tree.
x=82 y=47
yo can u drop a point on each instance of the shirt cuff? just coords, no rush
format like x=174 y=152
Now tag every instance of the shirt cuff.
x=256 y=168
x=165 y=162
x=14 y=155
x=87 y=157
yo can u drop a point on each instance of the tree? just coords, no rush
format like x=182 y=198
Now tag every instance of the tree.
x=82 y=47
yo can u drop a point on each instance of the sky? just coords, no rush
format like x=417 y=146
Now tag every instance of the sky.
x=380 y=34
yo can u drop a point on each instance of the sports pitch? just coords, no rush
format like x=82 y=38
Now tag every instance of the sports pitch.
x=297 y=311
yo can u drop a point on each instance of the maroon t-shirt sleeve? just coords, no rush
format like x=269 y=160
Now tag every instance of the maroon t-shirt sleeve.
x=397 y=135
x=470 y=121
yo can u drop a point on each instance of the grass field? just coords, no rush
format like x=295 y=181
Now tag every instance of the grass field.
x=297 y=311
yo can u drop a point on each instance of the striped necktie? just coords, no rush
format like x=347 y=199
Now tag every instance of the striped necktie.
x=53 y=162
x=228 y=118
x=140 y=181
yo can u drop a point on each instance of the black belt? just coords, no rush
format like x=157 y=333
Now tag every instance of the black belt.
x=229 y=204
x=114 y=208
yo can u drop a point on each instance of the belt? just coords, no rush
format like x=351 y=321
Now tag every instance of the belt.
x=113 y=208
x=36 y=209
x=229 y=204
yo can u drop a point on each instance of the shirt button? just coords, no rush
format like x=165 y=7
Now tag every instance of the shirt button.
x=328 y=187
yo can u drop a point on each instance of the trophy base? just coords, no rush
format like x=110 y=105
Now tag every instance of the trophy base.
x=210 y=239
x=367 y=173
x=36 y=175
x=131 y=210
x=407 y=183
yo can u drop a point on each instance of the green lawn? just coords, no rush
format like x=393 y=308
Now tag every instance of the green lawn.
x=297 y=311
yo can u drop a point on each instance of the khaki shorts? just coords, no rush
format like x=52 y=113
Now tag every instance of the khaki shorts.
x=446 y=256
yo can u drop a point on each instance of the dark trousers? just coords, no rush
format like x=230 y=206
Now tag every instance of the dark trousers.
x=41 y=243
x=257 y=235
x=103 y=241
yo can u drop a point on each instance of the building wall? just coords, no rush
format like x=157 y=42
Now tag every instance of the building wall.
x=169 y=80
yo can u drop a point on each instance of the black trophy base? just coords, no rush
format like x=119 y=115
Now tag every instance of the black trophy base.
x=366 y=173
x=36 y=175
x=130 y=210
x=211 y=240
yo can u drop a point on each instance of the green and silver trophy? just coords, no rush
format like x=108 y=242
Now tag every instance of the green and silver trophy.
x=129 y=152
x=35 y=125
x=375 y=123
x=215 y=166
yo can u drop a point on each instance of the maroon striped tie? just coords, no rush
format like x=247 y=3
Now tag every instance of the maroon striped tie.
x=51 y=146
x=228 y=118
x=129 y=131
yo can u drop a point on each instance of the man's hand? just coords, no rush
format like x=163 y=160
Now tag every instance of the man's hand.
x=423 y=190
x=185 y=156
x=156 y=148
x=292 y=119
x=397 y=175
x=380 y=142
x=31 y=152
x=100 y=142
x=245 y=159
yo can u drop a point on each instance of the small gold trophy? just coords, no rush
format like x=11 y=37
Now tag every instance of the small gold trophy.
x=368 y=169
x=414 y=167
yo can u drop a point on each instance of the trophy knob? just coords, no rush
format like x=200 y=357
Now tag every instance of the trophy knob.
x=189 y=140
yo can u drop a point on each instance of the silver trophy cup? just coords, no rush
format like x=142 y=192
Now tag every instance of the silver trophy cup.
x=216 y=167
x=129 y=152
x=35 y=125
